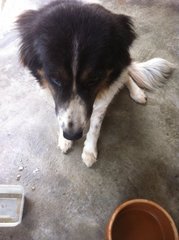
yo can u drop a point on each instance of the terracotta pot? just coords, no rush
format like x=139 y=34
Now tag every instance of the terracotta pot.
x=141 y=219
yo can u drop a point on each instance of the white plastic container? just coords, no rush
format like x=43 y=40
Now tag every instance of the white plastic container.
x=11 y=205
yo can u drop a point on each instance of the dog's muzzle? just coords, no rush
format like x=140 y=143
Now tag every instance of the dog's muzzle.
x=70 y=135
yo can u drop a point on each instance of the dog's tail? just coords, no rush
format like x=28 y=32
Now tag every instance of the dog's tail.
x=150 y=74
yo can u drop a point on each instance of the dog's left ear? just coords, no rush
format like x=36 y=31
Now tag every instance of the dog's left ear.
x=124 y=30
x=26 y=25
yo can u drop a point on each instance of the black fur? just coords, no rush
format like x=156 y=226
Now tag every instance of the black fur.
x=47 y=43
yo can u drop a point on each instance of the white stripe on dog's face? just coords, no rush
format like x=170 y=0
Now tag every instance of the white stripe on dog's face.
x=72 y=119
x=75 y=63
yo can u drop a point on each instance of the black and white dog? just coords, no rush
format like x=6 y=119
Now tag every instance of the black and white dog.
x=80 y=51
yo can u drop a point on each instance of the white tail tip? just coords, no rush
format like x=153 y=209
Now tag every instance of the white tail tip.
x=151 y=74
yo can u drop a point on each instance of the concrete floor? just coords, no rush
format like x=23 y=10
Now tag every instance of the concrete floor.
x=138 y=147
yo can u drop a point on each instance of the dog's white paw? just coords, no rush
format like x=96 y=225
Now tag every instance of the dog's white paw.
x=64 y=145
x=139 y=96
x=89 y=158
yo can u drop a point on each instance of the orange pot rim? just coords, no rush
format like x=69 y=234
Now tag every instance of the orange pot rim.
x=129 y=202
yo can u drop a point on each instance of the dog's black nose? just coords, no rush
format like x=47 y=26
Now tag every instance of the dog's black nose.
x=72 y=135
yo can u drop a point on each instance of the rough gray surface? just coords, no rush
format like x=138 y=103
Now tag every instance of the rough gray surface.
x=139 y=145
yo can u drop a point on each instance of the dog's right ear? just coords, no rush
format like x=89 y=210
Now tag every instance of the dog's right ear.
x=26 y=25
x=125 y=30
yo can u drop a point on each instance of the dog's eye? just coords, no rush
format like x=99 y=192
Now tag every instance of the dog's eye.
x=56 y=82
x=92 y=83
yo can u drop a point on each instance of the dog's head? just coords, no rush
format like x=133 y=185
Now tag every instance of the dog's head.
x=76 y=51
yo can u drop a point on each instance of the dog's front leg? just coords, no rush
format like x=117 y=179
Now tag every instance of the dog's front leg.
x=101 y=103
x=64 y=144
x=89 y=154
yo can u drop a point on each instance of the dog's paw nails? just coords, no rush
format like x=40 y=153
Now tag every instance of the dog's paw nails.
x=139 y=97
x=89 y=158
x=65 y=145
